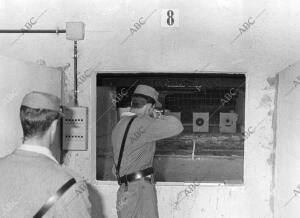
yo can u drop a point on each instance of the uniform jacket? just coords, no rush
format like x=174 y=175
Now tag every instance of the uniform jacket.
x=28 y=179
x=140 y=144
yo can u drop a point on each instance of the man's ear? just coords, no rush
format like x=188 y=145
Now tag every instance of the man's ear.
x=53 y=128
x=150 y=108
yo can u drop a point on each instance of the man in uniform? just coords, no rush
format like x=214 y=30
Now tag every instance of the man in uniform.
x=32 y=182
x=142 y=127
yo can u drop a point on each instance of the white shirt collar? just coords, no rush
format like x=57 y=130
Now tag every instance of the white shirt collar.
x=38 y=149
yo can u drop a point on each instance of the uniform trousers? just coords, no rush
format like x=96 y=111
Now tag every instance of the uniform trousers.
x=137 y=200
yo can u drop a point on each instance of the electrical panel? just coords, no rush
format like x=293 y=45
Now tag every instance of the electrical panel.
x=75 y=31
x=75 y=128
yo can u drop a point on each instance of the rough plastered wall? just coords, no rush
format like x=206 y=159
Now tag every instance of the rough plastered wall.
x=209 y=37
x=287 y=165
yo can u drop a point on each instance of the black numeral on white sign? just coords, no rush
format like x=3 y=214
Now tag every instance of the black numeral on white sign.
x=170 y=20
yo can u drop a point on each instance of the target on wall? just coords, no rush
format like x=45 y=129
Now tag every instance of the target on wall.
x=200 y=122
x=228 y=122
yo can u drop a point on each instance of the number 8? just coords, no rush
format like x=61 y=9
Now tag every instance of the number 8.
x=170 y=20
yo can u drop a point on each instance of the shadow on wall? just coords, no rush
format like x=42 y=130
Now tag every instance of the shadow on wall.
x=96 y=201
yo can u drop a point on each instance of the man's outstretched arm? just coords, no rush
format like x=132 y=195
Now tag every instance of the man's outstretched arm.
x=161 y=128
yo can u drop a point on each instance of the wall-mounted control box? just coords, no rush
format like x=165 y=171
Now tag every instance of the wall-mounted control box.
x=75 y=128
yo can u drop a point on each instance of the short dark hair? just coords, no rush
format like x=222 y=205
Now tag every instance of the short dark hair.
x=148 y=99
x=35 y=122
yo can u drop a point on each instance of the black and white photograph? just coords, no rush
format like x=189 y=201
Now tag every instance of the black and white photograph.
x=149 y=109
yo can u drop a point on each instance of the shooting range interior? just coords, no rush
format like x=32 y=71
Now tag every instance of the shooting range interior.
x=227 y=69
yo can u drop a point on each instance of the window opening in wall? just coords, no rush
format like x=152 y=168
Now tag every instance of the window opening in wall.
x=211 y=107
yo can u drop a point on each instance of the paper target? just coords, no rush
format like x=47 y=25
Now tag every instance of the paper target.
x=200 y=122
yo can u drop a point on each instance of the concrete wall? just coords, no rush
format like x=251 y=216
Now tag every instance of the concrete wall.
x=287 y=165
x=203 y=40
